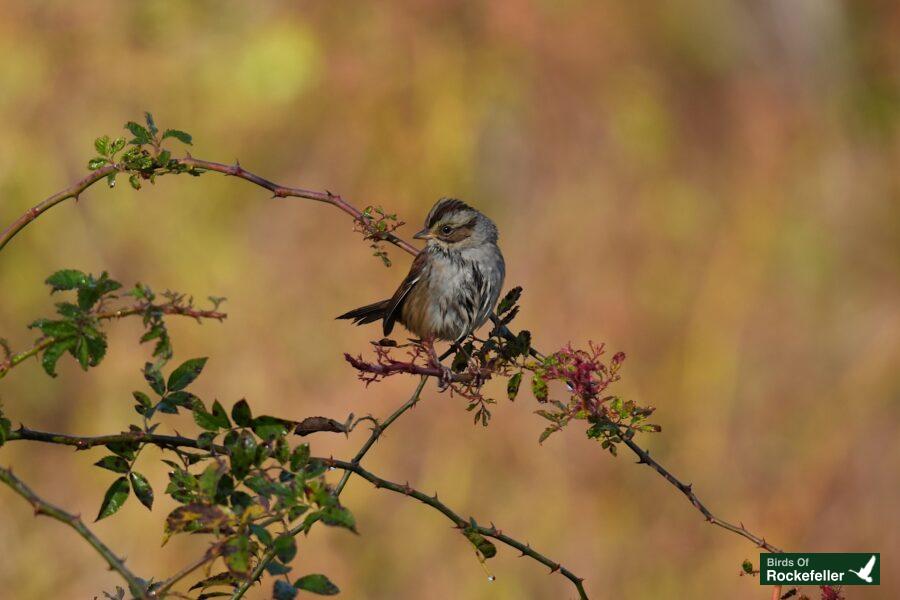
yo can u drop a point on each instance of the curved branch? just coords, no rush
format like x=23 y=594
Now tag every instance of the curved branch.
x=378 y=429
x=458 y=521
x=72 y=191
x=283 y=191
x=687 y=490
x=41 y=507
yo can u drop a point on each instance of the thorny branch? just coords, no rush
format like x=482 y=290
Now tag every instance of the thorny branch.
x=175 y=441
x=42 y=507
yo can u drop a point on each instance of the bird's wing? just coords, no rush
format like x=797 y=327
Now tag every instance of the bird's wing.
x=868 y=568
x=396 y=302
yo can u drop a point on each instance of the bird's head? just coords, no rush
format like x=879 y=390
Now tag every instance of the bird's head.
x=455 y=225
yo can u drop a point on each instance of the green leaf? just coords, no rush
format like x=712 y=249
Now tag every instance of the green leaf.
x=115 y=497
x=268 y=427
x=135 y=181
x=178 y=135
x=66 y=279
x=243 y=451
x=299 y=457
x=81 y=352
x=140 y=133
x=186 y=373
x=512 y=386
x=142 y=488
x=124 y=449
x=487 y=549
x=285 y=548
x=509 y=300
x=220 y=415
x=237 y=554
x=209 y=479
x=547 y=433
x=317 y=584
x=204 y=419
x=101 y=144
x=55 y=329
x=151 y=124
x=241 y=414
x=183 y=399
x=96 y=347
x=154 y=378
x=116 y=464
x=539 y=387
x=96 y=163
x=116 y=145
x=747 y=566
x=52 y=354
x=283 y=591
x=163 y=158
x=276 y=568
x=68 y=310
x=338 y=516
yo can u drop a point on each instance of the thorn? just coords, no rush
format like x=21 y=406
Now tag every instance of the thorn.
x=687 y=488
x=554 y=569
x=435 y=497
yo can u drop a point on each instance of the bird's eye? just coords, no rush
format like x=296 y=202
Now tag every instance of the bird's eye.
x=446 y=229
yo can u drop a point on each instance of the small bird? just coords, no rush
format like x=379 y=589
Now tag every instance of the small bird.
x=453 y=283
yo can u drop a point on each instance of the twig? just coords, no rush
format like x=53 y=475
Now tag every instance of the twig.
x=378 y=429
x=84 y=442
x=687 y=490
x=457 y=520
x=168 y=309
x=208 y=556
x=72 y=191
x=41 y=507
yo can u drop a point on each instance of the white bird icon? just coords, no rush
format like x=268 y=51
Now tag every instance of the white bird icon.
x=866 y=572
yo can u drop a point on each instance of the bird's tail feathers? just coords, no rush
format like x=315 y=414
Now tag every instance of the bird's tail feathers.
x=369 y=313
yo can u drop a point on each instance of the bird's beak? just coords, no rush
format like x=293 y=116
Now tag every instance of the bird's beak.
x=425 y=234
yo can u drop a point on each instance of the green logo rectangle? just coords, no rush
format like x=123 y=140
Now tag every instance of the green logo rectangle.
x=832 y=568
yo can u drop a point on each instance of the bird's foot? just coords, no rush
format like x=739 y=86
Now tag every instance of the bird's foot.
x=445 y=378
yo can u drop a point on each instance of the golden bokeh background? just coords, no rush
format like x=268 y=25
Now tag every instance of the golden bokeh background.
x=711 y=186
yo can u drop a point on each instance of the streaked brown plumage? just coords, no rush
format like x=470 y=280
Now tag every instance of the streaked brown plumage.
x=452 y=285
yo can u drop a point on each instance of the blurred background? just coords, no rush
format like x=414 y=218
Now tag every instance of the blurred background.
x=710 y=186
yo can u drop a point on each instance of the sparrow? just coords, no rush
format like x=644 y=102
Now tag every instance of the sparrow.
x=453 y=284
